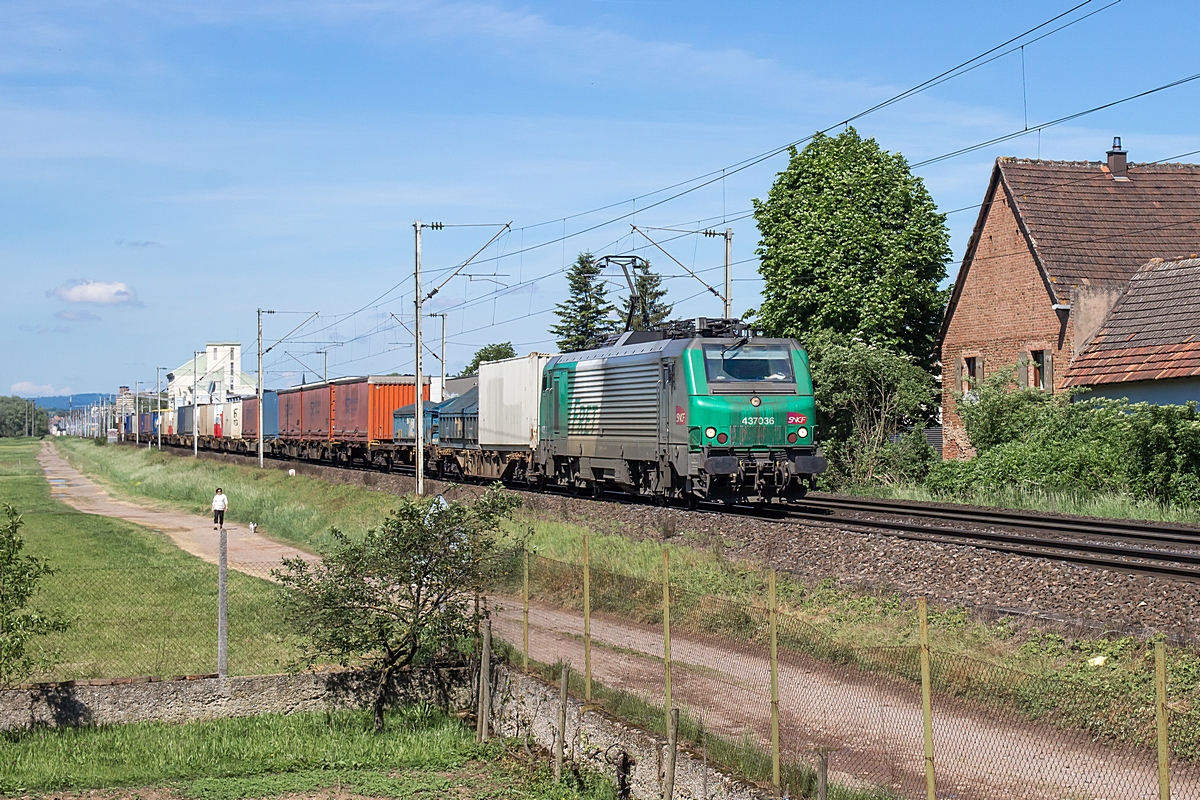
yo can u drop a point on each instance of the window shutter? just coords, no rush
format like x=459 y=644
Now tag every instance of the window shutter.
x=1049 y=377
x=961 y=375
x=1023 y=366
x=979 y=373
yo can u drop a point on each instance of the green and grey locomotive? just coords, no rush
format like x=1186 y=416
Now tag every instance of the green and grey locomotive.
x=705 y=411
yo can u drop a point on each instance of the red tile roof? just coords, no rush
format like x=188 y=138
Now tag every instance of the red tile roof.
x=1152 y=332
x=1087 y=228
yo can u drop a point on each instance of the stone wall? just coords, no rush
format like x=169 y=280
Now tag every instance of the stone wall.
x=208 y=697
x=526 y=706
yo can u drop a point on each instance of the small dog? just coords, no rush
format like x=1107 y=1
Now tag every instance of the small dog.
x=253 y=527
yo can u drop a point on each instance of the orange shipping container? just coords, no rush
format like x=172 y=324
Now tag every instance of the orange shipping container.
x=362 y=409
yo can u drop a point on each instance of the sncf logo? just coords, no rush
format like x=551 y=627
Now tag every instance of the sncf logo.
x=680 y=415
x=796 y=419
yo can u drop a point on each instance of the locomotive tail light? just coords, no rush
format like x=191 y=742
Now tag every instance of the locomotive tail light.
x=710 y=432
x=756 y=401
x=722 y=438
x=802 y=433
x=791 y=438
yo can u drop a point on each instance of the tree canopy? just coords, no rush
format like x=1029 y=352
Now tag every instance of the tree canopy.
x=585 y=319
x=14 y=418
x=650 y=292
x=851 y=242
x=489 y=352
x=402 y=594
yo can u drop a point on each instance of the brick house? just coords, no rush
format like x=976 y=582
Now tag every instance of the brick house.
x=1055 y=247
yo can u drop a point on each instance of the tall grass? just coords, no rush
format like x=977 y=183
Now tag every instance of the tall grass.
x=421 y=751
x=136 y=603
x=299 y=510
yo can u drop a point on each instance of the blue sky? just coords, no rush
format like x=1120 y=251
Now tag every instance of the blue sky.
x=167 y=168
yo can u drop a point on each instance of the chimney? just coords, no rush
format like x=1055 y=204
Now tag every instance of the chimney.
x=1116 y=161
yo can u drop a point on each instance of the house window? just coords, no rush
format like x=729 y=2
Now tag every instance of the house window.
x=1037 y=369
x=970 y=373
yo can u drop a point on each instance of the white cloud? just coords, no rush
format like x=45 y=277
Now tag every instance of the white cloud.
x=102 y=292
x=31 y=389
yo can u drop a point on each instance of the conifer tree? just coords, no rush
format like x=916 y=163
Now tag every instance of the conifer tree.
x=585 y=318
x=650 y=291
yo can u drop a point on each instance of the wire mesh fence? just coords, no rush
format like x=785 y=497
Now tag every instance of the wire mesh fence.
x=852 y=710
x=162 y=621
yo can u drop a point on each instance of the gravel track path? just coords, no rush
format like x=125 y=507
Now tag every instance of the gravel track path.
x=871 y=724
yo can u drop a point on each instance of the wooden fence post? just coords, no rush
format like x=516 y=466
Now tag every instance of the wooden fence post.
x=525 y=621
x=1160 y=709
x=560 y=740
x=822 y=774
x=667 y=633
x=672 y=749
x=485 y=684
x=587 y=623
x=774 y=680
x=926 y=697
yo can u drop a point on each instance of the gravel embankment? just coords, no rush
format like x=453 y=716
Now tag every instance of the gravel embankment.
x=1073 y=598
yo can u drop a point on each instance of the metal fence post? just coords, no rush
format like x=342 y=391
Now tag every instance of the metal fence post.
x=1160 y=709
x=587 y=623
x=525 y=619
x=774 y=681
x=926 y=697
x=222 y=604
x=667 y=633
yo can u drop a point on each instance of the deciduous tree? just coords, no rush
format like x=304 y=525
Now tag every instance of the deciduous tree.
x=489 y=352
x=403 y=594
x=20 y=625
x=852 y=243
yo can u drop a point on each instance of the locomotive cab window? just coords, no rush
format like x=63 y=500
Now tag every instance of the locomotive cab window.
x=748 y=362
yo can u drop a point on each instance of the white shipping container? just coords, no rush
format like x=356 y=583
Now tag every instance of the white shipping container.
x=231 y=421
x=509 y=400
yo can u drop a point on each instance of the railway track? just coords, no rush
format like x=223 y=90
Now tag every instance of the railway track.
x=1125 y=546
x=1107 y=544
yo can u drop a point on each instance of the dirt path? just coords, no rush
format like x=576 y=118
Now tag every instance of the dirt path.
x=871 y=724
x=248 y=552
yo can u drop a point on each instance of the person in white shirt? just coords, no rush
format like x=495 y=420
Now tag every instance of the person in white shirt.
x=220 y=503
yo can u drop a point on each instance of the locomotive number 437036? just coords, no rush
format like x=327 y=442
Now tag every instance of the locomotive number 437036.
x=758 y=420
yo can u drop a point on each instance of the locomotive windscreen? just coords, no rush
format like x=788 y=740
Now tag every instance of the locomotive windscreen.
x=748 y=362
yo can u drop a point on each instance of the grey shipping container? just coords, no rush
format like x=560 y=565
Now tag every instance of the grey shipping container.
x=509 y=398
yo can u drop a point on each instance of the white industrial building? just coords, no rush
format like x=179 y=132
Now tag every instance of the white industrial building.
x=220 y=376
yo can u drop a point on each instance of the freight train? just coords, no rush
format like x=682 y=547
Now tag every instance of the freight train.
x=703 y=410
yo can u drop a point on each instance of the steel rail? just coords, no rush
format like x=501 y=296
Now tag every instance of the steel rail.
x=1135 y=530
x=1114 y=557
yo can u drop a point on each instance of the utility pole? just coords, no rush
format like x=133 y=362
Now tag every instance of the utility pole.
x=158 y=404
x=442 y=393
x=418 y=407
x=260 y=391
x=137 y=422
x=195 y=405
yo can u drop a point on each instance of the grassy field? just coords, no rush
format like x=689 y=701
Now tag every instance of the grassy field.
x=136 y=603
x=831 y=622
x=422 y=754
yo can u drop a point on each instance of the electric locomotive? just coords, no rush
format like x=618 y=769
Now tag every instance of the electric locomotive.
x=703 y=410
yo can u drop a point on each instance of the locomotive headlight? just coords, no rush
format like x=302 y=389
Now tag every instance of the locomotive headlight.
x=756 y=402
x=710 y=432
x=802 y=433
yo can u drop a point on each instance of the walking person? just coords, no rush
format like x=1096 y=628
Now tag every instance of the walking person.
x=219 y=504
